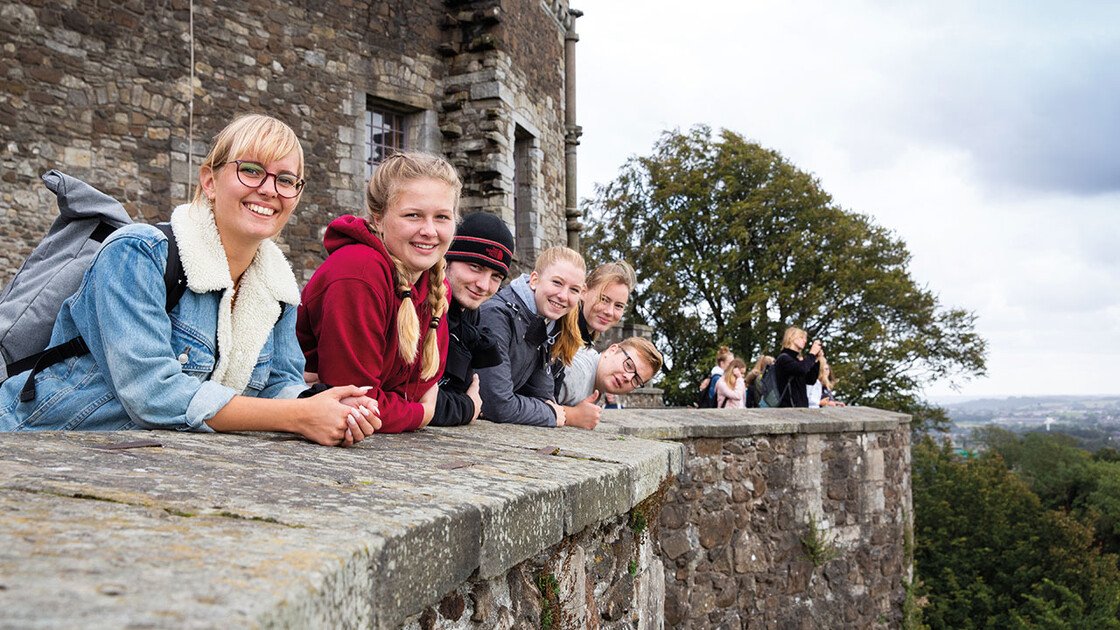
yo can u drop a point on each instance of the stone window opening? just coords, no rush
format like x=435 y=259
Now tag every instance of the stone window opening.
x=526 y=207
x=386 y=132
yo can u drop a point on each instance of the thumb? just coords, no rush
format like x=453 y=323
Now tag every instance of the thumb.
x=592 y=398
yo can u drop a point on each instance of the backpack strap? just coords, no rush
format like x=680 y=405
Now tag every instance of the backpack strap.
x=74 y=348
x=174 y=279
x=102 y=231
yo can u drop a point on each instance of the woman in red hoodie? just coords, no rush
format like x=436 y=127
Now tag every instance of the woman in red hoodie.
x=373 y=312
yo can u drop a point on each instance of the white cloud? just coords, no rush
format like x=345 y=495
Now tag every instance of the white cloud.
x=981 y=133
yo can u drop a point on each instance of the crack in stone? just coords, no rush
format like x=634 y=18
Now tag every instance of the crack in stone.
x=170 y=510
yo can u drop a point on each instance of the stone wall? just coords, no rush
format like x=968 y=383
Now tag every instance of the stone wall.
x=163 y=529
x=104 y=91
x=786 y=518
x=660 y=519
x=505 y=86
x=608 y=576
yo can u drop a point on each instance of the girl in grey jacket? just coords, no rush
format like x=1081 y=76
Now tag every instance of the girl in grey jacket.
x=532 y=321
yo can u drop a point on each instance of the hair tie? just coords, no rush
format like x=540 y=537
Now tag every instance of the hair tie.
x=407 y=293
x=434 y=324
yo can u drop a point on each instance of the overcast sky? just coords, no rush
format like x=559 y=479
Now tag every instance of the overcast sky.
x=985 y=134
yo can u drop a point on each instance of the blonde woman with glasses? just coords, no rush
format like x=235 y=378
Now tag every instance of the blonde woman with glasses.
x=225 y=357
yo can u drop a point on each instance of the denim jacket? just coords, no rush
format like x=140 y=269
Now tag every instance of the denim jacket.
x=150 y=369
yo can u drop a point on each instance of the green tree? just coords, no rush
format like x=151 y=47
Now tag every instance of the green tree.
x=733 y=243
x=1102 y=504
x=1052 y=464
x=990 y=555
x=1065 y=477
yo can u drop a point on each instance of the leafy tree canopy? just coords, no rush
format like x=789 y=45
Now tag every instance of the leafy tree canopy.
x=1064 y=477
x=990 y=555
x=732 y=244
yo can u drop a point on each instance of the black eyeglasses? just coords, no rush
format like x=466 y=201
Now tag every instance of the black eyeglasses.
x=629 y=365
x=253 y=175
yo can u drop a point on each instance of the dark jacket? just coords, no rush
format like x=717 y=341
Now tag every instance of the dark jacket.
x=516 y=389
x=585 y=331
x=469 y=348
x=792 y=375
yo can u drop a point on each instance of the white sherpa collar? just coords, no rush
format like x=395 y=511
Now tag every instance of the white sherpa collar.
x=244 y=328
x=205 y=262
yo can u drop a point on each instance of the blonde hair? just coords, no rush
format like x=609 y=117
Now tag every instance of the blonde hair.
x=647 y=350
x=263 y=137
x=729 y=375
x=383 y=190
x=724 y=353
x=606 y=274
x=825 y=376
x=790 y=334
x=569 y=340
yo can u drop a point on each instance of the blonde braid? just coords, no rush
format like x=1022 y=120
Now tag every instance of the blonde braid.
x=437 y=304
x=408 y=323
x=383 y=190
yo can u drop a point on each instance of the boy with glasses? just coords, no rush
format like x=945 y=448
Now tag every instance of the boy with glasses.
x=620 y=369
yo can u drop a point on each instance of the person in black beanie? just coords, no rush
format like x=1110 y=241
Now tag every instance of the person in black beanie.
x=477 y=263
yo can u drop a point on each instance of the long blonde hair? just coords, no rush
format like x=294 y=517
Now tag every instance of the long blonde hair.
x=263 y=137
x=569 y=340
x=729 y=375
x=383 y=190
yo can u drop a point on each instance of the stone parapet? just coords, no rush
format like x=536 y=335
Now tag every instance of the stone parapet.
x=661 y=518
x=783 y=518
x=679 y=424
x=239 y=530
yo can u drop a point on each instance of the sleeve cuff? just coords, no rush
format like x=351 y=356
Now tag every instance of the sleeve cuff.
x=207 y=401
x=302 y=391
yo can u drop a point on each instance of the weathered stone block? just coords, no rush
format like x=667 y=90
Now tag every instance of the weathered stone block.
x=715 y=529
x=675 y=544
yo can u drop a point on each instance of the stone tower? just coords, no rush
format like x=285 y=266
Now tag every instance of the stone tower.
x=128 y=95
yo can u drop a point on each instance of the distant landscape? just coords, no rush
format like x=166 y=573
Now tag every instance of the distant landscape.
x=1093 y=420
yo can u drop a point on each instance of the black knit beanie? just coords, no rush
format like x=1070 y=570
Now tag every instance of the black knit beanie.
x=483 y=238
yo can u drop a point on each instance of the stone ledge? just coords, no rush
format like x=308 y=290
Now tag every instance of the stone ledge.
x=246 y=530
x=672 y=424
x=266 y=530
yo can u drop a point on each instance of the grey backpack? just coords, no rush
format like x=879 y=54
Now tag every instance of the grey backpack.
x=31 y=301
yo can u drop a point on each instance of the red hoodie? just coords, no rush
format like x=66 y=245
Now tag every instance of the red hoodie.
x=346 y=324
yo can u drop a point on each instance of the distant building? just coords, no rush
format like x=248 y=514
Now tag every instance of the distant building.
x=107 y=92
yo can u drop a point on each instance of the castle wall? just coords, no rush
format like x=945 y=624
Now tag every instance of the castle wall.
x=104 y=92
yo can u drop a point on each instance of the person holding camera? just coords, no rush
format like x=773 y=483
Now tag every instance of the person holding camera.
x=793 y=370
